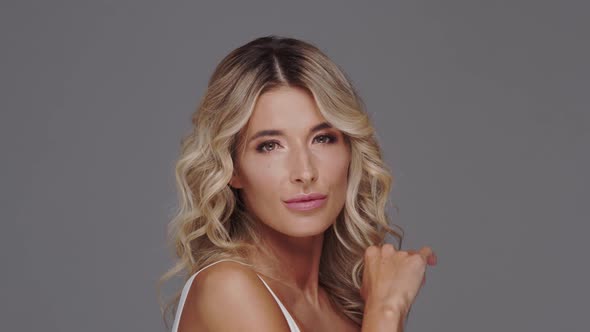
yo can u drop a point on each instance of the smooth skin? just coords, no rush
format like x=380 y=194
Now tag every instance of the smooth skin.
x=298 y=157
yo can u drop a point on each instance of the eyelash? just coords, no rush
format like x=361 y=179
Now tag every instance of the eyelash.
x=260 y=147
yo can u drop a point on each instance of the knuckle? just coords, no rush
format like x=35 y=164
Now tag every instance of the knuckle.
x=417 y=260
x=403 y=253
x=371 y=251
x=428 y=250
x=387 y=249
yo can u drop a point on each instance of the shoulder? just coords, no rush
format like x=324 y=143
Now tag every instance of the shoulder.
x=229 y=296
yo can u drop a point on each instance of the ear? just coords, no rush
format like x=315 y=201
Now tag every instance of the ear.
x=235 y=181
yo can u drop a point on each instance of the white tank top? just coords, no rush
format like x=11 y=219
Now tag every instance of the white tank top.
x=292 y=325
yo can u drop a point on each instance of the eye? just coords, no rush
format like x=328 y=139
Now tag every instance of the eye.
x=262 y=147
x=327 y=138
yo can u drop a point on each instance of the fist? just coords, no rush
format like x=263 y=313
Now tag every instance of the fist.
x=392 y=278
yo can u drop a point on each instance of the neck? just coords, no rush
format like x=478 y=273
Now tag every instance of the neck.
x=292 y=261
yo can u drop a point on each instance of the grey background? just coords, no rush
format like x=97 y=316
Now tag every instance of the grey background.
x=481 y=109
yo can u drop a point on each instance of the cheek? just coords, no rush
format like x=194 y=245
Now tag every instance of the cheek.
x=335 y=167
x=262 y=176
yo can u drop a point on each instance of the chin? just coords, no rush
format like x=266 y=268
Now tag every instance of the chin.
x=302 y=230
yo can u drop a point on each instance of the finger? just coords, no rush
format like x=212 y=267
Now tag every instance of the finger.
x=372 y=254
x=426 y=252
x=432 y=259
x=387 y=249
x=423 y=280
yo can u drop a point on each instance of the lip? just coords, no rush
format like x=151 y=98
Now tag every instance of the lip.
x=305 y=197
x=305 y=202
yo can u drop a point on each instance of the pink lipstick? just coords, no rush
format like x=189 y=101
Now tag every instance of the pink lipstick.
x=305 y=202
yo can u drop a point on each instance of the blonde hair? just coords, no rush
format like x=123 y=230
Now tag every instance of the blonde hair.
x=212 y=223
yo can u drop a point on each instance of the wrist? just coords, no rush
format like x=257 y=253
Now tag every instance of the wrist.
x=388 y=308
x=382 y=317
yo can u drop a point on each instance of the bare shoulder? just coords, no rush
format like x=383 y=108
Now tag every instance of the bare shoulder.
x=229 y=296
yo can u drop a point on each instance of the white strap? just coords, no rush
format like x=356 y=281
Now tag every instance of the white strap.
x=292 y=325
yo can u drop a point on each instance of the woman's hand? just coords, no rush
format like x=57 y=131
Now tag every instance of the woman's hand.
x=392 y=278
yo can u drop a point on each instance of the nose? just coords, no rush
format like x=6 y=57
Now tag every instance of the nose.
x=303 y=170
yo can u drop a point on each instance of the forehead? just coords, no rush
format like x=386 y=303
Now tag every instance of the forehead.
x=284 y=108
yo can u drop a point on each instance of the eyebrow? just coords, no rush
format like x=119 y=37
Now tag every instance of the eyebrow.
x=276 y=132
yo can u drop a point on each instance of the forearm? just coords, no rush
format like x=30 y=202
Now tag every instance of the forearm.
x=381 y=319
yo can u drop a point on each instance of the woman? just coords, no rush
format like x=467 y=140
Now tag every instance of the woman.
x=282 y=219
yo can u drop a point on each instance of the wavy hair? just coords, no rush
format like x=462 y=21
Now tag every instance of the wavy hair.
x=212 y=223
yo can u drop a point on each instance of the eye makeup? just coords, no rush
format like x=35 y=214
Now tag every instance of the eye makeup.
x=331 y=139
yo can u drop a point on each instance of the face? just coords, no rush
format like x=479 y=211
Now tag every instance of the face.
x=291 y=150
